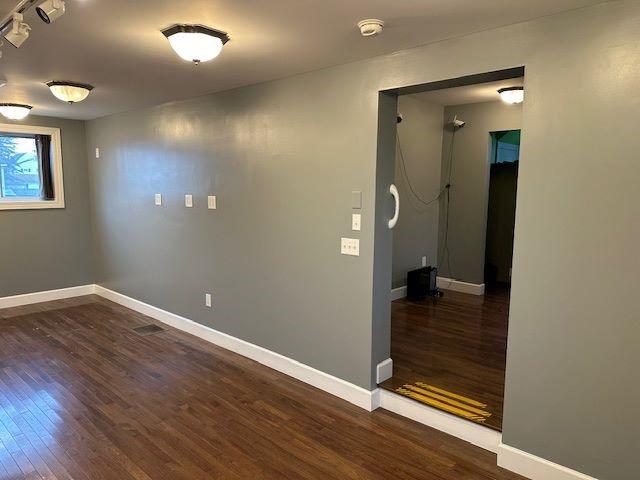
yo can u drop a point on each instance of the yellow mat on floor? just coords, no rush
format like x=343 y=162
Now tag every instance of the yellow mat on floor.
x=448 y=401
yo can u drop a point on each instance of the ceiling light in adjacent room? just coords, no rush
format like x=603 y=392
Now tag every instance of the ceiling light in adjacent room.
x=19 y=31
x=69 y=91
x=196 y=43
x=51 y=10
x=370 y=27
x=512 y=94
x=14 y=111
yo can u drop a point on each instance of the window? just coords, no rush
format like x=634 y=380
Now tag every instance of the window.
x=506 y=146
x=30 y=168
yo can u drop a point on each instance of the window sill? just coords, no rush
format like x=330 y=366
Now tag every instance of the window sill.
x=30 y=204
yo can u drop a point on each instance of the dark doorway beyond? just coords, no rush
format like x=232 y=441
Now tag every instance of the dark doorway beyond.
x=456 y=343
x=501 y=210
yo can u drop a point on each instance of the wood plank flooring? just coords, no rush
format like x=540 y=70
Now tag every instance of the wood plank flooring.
x=457 y=342
x=84 y=397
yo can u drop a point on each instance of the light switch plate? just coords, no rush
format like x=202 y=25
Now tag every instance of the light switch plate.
x=350 y=246
x=356 y=199
x=356 y=222
x=424 y=261
x=212 y=202
x=97 y=152
x=158 y=199
x=188 y=201
x=207 y=300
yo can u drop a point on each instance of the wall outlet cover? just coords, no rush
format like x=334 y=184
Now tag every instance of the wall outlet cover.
x=188 y=201
x=212 y=202
x=158 y=199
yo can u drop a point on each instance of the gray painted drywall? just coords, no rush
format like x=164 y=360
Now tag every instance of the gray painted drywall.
x=416 y=233
x=50 y=249
x=283 y=158
x=469 y=194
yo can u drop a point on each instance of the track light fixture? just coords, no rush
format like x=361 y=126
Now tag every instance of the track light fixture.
x=70 y=92
x=15 y=111
x=19 y=31
x=196 y=43
x=51 y=10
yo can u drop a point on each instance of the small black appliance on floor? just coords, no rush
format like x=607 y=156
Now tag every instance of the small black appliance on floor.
x=421 y=283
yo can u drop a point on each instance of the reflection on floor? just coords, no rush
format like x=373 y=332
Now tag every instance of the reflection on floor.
x=83 y=396
x=456 y=344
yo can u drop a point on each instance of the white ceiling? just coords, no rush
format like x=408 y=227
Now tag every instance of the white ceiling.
x=117 y=46
x=478 y=93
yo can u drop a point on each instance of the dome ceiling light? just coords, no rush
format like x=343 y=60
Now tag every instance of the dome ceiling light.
x=196 y=43
x=70 y=92
x=14 y=111
x=512 y=95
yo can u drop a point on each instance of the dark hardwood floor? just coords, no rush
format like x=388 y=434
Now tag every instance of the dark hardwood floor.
x=82 y=396
x=457 y=343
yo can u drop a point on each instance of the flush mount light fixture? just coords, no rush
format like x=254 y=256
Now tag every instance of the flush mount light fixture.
x=51 y=10
x=512 y=94
x=19 y=32
x=14 y=111
x=370 y=27
x=196 y=43
x=69 y=92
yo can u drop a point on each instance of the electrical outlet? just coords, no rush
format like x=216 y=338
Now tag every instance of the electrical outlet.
x=97 y=152
x=158 y=199
x=188 y=201
x=350 y=246
x=356 y=222
x=212 y=202
x=424 y=261
x=207 y=300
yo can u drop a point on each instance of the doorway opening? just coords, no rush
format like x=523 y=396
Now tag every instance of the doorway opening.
x=455 y=168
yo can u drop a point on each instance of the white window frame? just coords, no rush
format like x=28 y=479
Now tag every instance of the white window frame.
x=56 y=170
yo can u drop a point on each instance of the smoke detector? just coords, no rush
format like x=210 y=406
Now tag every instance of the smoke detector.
x=370 y=27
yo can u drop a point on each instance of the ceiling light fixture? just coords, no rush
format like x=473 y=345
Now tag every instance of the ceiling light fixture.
x=512 y=95
x=19 y=31
x=14 y=111
x=196 y=43
x=370 y=27
x=51 y=10
x=70 y=92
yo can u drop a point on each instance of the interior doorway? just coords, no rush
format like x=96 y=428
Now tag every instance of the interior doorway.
x=455 y=168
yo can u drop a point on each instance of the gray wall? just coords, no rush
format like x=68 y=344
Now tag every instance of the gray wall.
x=469 y=192
x=283 y=158
x=416 y=234
x=50 y=249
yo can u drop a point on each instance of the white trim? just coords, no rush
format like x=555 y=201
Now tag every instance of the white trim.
x=478 y=435
x=58 y=181
x=336 y=386
x=459 y=286
x=384 y=370
x=398 y=293
x=47 y=296
x=535 y=468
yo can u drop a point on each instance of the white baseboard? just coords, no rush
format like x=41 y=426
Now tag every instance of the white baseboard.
x=459 y=286
x=384 y=371
x=478 y=435
x=535 y=468
x=47 y=296
x=340 y=388
x=398 y=293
